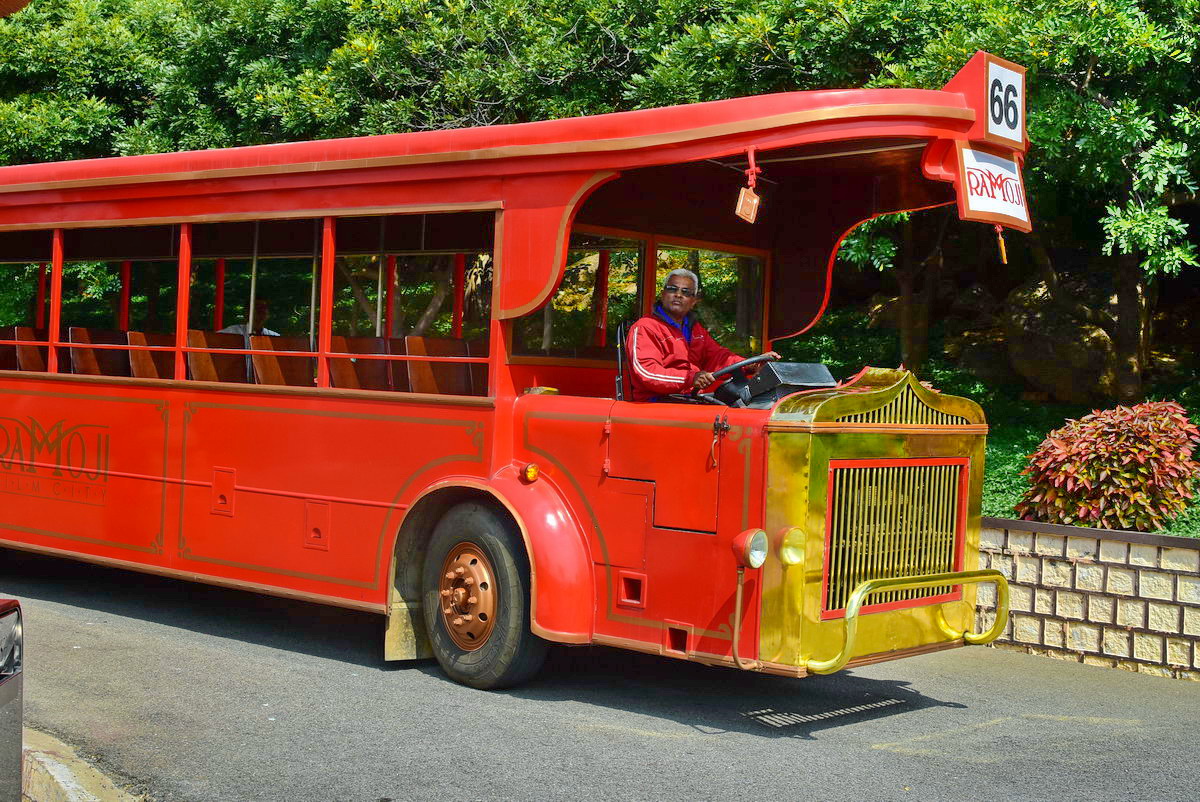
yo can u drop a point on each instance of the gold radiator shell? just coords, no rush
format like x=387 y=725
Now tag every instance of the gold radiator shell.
x=885 y=422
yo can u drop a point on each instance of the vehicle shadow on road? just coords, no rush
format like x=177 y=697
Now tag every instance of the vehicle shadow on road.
x=707 y=699
x=713 y=700
x=318 y=630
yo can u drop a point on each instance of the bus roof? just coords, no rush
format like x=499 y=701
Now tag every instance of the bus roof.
x=611 y=138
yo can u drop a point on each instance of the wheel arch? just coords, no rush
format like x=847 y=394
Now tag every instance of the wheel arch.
x=562 y=598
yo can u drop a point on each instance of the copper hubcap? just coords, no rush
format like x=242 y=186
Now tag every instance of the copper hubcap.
x=467 y=595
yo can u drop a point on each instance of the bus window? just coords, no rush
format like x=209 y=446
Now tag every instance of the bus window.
x=24 y=306
x=731 y=293
x=119 y=290
x=600 y=288
x=408 y=304
x=254 y=287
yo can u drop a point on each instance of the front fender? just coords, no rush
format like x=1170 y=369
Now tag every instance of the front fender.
x=562 y=593
x=563 y=599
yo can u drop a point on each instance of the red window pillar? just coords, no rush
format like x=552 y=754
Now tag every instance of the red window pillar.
x=56 y=269
x=389 y=298
x=219 y=301
x=325 y=330
x=183 y=296
x=126 y=290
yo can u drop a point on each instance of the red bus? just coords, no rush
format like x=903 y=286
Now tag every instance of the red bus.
x=382 y=373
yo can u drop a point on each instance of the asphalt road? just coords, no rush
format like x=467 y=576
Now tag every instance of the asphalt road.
x=202 y=694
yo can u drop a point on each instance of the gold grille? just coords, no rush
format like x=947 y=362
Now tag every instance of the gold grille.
x=905 y=408
x=891 y=522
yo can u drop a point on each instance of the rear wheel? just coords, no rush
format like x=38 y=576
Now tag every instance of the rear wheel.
x=476 y=599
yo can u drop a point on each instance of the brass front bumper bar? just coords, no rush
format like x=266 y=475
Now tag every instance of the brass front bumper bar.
x=873 y=586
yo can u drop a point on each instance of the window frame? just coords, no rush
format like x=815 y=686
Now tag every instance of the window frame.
x=651 y=242
x=324 y=291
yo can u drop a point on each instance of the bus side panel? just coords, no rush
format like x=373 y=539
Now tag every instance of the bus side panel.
x=85 y=468
x=308 y=493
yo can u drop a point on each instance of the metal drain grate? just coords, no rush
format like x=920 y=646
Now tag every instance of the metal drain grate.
x=773 y=718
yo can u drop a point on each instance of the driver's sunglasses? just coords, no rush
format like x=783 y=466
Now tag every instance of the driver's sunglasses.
x=671 y=289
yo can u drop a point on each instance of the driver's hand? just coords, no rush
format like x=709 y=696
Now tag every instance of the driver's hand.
x=703 y=379
x=754 y=369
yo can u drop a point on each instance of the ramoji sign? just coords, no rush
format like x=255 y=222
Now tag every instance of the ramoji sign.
x=990 y=188
x=986 y=169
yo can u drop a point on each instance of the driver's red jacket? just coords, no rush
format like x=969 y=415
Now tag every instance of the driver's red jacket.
x=665 y=357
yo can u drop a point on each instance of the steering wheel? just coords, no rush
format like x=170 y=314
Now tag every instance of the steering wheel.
x=733 y=393
x=736 y=391
x=745 y=363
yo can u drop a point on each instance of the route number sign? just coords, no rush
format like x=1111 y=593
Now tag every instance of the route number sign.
x=1005 y=104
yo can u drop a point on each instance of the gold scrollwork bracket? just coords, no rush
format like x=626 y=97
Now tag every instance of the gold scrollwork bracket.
x=874 y=586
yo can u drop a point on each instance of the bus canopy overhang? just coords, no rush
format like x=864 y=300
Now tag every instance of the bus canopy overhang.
x=820 y=181
x=836 y=158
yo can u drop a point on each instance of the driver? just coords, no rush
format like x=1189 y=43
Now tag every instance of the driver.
x=670 y=352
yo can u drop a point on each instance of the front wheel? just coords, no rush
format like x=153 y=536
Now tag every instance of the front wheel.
x=476 y=593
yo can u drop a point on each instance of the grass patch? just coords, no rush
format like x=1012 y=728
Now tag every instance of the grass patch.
x=843 y=342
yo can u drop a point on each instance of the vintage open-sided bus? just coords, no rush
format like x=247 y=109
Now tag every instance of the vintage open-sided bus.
x=381 y=373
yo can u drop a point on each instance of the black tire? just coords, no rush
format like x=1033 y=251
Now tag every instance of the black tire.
x=511 y=653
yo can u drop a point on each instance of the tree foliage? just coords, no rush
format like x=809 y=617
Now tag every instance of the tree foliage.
x=1112 y=90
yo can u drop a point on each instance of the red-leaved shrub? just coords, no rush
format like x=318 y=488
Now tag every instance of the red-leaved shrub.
x=1123 y=468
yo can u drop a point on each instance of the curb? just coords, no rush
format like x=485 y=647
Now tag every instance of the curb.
x=53 y=772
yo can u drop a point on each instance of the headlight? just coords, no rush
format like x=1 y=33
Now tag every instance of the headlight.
x=750 y=548
x=791 y=548
x=10 y=644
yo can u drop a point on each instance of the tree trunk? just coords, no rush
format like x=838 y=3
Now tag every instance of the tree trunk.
x=547 y=327
x=360 y=295
x=398 y=300
x=599 y=307
x=914 y=321
x=441 y=288
x=1130 y=334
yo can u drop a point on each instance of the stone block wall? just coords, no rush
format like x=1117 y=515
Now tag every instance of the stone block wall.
x=1121 y=599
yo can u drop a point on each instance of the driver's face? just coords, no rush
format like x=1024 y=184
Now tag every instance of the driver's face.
x=678 y=296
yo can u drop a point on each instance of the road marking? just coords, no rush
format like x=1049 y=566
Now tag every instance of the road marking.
x=1095 y=720
x=637 y=731
x=901 y=747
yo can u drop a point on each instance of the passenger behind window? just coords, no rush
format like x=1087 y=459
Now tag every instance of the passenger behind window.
x=255 y=325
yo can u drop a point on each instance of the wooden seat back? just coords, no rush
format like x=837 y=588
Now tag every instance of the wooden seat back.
x=289 y=371
x=441 y=378
x=30 y=357
x=360 y=374
x=209 y=367
x=8 y=353
x=151 y=364
x=98 y=361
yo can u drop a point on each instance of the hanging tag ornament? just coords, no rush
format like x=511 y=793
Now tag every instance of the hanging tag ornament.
x=748 y=200
x=1000 y=242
